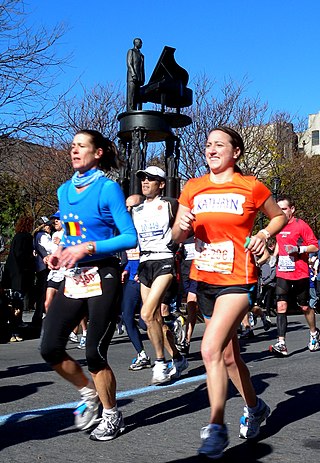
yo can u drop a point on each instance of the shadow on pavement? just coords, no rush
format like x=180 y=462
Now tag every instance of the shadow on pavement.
x=44 y=425
x=248 y=452
x=304 y=401
x=14 y=392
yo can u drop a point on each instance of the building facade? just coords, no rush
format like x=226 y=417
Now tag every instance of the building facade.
x=309 y=141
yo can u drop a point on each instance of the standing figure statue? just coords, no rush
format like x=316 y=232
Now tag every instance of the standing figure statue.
x=135 y=75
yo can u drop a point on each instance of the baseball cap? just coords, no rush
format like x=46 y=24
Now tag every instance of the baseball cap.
x=43 y=221
x=153 y=171
x=56 y=215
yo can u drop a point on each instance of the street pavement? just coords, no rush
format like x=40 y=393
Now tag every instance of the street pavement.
x=162 y=422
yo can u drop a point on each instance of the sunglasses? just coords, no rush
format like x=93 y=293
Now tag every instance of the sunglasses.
x=149 y=178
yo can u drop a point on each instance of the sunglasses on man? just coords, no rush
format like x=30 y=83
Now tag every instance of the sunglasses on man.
x=149 y=178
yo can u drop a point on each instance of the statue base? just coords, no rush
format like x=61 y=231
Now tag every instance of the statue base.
x=156 y=125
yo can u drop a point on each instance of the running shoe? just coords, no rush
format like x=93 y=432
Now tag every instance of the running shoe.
x=109 y=427
x=16 y=338
x=73 y=337
x=83 y=342
x=266 y=323
x=184 y=347
x=314 y=343
x=247 y=334
x=140 y=362
x=86 y=413
x=279 y=348
x=178 y=330
x=120 y=327
x=252 y=319
x=214 y=441
x=250 y=422
x=160 y=373
x=176 y=367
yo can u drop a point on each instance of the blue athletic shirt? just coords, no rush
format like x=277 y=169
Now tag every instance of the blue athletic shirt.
x=97 y=214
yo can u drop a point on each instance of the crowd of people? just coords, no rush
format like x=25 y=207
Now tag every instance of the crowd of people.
x=135 y=259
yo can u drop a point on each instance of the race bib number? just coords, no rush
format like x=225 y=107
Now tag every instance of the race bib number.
x=214 y=257
x=82 y=282
x=286 y=264
x=133 y=254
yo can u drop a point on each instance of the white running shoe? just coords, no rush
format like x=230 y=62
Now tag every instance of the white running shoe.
x=314 y=343
x=73 y=337
x=140 y=362
x=86 y=413
x=279 y=348
x=160 y=373
x=83 y=342
x=178 y=330
x=250 y=422
x=109 y=427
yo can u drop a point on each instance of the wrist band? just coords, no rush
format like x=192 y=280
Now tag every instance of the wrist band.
x=266 y=233
x=302 y=249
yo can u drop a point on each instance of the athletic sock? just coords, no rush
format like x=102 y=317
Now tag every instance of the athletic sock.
x=89 y=388
x=110 y=411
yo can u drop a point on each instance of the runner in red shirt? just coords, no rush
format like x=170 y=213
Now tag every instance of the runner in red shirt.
x=220 y=208
x=294 y=243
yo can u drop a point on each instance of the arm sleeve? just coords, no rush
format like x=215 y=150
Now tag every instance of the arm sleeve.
x=113 y=198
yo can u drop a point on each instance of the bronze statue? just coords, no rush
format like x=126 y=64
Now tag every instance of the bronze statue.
x=135 y=75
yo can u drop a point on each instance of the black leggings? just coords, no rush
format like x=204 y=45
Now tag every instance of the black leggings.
x=65 y=314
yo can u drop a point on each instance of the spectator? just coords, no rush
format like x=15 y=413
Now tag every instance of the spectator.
x=43 y=246
x=18 y=275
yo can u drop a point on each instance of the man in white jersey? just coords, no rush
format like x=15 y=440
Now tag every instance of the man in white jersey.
x=153 y=220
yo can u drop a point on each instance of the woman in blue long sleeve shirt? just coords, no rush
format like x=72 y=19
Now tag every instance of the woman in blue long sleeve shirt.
x=96 y=226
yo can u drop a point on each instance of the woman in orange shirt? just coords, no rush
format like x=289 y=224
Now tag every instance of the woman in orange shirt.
x=220 y=209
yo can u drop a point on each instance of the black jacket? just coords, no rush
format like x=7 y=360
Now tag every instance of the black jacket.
x=19 y=269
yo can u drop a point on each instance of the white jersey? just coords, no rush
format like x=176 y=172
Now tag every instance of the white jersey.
x=152 y=220
x=56 y=275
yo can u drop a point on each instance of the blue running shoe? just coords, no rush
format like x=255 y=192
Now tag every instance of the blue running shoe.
x=214 y=441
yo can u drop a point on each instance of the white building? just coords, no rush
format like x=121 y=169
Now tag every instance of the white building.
x=309 y=141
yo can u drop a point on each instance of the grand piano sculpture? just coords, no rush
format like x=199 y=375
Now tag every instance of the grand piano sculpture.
x=168 y=88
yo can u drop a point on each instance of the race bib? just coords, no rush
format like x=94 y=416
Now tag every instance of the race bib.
x=133 y=254
x=286 y=264
x=214 y=257
x=82 y=282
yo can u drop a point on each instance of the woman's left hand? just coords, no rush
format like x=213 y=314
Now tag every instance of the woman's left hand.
x=256 y=245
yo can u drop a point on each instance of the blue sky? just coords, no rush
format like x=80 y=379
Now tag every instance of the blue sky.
x=274 y=43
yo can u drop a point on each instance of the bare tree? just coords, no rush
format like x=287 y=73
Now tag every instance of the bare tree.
x=28 y=69
x=96 y=109
x=35 y=172
x=267 y=138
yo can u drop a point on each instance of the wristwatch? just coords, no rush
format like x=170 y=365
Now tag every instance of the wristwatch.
x=90 y=249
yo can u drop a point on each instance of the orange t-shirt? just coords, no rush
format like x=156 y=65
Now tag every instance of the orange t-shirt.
x=225 y=215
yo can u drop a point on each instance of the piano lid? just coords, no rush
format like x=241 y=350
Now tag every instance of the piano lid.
x=168 y=83
x=168 y=69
